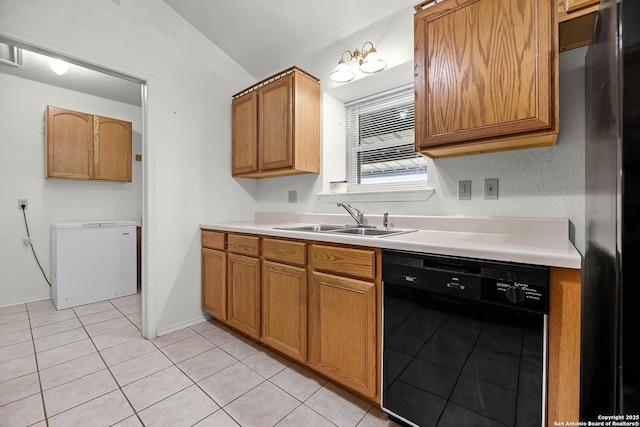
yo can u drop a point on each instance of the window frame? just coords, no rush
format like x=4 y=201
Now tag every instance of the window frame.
x=381 y=103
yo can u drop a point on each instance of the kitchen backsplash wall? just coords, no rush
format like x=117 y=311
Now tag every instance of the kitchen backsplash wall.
x=22 y=139
x=539 y=182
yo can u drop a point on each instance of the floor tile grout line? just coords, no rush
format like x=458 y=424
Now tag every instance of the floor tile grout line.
x=83 y=403
x=220 y=407
x=11 y=321
x=61 y=345
x=241 y=361
x=313 y=410
x=19 y=330
x=24 y=397
x=167 y=345
x=106 y=367
x=44 y=407
x=196 y=382
x=362 y=417
x=253 y=388
x=95 y=312
x=46 y=419
x=119 y=387
x=17 y=357
x=300 y=402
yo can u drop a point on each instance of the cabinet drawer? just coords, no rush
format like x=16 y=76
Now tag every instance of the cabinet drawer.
x=244 y=245
x=349 y=261
x=284 y=251
x=213 y=240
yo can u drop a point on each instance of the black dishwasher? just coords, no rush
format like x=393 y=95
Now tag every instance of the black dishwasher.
x=465 y=341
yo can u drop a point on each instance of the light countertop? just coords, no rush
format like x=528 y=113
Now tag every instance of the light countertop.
x=539 y=241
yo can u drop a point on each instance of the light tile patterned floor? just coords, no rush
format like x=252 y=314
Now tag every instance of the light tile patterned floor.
x=90 y=366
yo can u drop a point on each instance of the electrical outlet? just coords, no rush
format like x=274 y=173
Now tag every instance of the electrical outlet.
x=293 y=196
x=26 y=241
x=464 y=190
x=491 y=189
x=24 y=202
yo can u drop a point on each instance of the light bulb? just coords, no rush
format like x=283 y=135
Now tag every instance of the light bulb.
x=58 y=66
x=342 y=73
x=372 y=63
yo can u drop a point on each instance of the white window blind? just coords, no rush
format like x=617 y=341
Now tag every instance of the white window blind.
x=380 y=143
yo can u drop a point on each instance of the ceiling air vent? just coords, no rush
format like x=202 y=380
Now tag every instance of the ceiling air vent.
x=10 y=55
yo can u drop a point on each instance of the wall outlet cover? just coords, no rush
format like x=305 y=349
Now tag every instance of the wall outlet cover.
x=24 y=202
x=491 y=189
x=464 y=190
x=293 y=196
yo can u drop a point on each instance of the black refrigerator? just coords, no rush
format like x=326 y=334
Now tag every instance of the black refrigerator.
x=610 y=350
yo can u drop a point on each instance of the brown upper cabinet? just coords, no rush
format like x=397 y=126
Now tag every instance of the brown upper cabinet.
x=86 y=146
x=276 y=126
x=485 y=75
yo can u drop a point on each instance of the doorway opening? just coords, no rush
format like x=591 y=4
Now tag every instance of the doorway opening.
x=87 y=83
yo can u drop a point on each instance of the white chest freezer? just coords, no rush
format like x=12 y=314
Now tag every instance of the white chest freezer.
x=92 y=261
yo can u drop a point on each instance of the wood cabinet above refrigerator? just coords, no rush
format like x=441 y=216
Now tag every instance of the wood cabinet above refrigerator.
x=486 y=75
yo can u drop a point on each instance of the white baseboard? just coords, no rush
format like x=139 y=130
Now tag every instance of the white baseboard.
x=185 y=324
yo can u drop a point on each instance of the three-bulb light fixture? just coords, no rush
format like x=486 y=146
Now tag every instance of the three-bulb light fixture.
x=369 y=61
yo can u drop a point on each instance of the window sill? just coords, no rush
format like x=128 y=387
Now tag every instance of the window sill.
x=379 y=196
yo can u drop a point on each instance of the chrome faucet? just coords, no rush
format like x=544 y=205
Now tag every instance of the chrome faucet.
x=358 y=216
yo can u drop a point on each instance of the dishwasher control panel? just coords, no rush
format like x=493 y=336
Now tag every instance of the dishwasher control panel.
x=508 y=284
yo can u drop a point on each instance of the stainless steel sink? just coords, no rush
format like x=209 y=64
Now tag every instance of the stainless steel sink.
x=346 y=229
x=372 y=232
x=318 y=227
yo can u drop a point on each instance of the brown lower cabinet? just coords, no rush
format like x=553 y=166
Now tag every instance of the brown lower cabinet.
x=343 y=331
x=243 y=296
x=214 y=282
x=320 y=304
x=284 y=309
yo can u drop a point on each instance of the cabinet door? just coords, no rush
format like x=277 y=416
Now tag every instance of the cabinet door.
x=484 y=69
x=112 y=149
x=243 y=288
x=275 y=127
x=284 y=309
x=244 y=146
x=214 y=283
x=69 y=144
x=343 y=331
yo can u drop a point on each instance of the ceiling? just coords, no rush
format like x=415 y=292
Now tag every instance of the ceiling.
x=262 y=36
x=269 y=35
x=35 y=66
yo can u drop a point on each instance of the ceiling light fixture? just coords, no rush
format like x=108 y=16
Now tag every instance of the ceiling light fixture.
x=369 y=61
x=58 y=66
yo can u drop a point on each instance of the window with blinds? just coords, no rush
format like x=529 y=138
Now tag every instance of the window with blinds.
x=380 y=143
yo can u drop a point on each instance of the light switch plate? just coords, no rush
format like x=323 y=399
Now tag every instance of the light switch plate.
x=491 y=189
x=464 y=190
